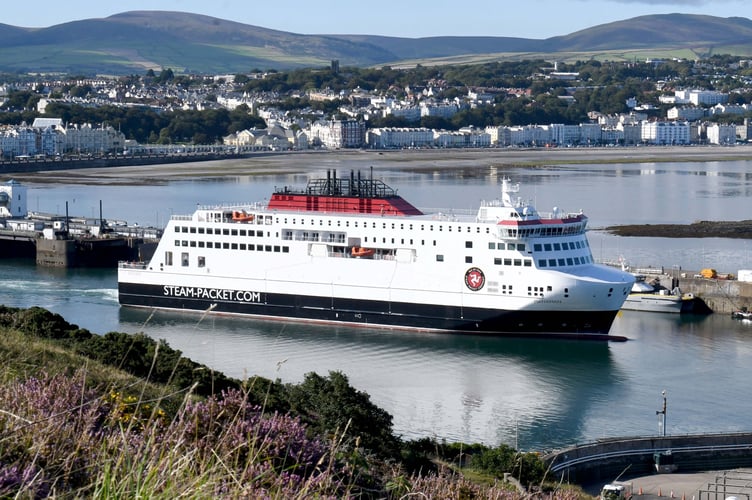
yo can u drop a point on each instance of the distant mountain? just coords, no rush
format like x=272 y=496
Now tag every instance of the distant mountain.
x=133 y=42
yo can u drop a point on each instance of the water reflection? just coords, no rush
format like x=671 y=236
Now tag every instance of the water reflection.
x=467 y=388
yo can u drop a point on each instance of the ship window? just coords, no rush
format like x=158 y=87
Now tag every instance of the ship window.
x=259 y=234
x=243 y=232
x=577 y=261
x=497 y=261
x=193 y=244
x=449 y=229
x=201 y=230
x=468 y=259
x=488 y=230
x=507 y=262
x=184 y=229
x=562 y=262
x=392 y=226
x=527 y=263
x=201 y=244
x=225 y=246
x=565 y=245
x=193 y=230
x=570 y=262
x=510 y=246
x=259 y=248
x=468 y=244
x=549 y=288
x=392 y=241
x=518 y=262
x=177 y=243
x=477 y=229
x=168 y=258
x=242 y=246
x=492 y=246
x=184 y=259
x=251 y=247
x=557 y=247
x=441 y=228
x=185 y=243
x=552 y=262
x=430 y=227
x=537 y=247
x=434 y=242
x=542 y=263
x=285 y=249
x=520 y=247
x=209 y=244
x=226 y=232
x=439 y=258
x=268 y=248
x=547 y=247
x=234 y=246
x=500 y=246
x=276 y=248
x=201 y=261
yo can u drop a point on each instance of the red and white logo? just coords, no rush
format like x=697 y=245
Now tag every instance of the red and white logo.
x=474 y=279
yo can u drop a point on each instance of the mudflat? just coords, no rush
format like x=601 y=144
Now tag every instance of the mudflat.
x=467 y=160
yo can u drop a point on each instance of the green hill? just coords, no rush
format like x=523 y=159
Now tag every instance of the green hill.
x=132 y=42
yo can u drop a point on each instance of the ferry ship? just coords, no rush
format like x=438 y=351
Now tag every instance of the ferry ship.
x=351 y=250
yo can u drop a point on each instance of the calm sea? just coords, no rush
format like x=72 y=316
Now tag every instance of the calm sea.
x=534 y=394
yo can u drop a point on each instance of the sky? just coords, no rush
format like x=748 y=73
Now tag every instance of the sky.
x=537 y=19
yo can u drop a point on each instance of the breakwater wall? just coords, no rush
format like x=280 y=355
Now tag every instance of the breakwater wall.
x=27 y=165
x=721 y=296
x=606 y=459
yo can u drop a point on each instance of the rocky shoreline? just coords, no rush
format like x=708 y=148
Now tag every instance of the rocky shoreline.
x=701 y=229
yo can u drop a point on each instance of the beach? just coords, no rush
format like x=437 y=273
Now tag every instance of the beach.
x=408 y=160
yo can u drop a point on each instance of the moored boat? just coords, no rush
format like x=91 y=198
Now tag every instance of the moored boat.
x=653 y=298
x=742 y=314
x=503 y=269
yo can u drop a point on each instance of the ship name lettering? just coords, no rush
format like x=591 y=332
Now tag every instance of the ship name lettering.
x=211 y=293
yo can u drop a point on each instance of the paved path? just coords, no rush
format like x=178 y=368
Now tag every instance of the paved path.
x=698 y=486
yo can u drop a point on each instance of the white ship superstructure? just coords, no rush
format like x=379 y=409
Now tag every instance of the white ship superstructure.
x=350 y=250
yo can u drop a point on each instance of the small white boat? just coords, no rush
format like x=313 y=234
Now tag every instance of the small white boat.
x=742 y=314
x=652 y=297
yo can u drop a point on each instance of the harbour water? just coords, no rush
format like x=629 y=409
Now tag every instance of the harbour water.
x=531 y=393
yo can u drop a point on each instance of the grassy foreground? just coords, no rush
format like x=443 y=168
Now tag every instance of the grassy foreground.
x=124 y=416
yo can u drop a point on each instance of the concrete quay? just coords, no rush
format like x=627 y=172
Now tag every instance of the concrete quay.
x=720 y=294
x=707 y=466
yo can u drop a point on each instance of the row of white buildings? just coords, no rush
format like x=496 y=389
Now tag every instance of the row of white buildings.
x=50 y=137
x=340 y=134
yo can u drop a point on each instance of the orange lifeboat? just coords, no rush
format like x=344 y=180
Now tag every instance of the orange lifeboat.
x=241 y=216
x=361 y=252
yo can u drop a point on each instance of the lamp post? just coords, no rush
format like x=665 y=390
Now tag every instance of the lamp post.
x=663 y=413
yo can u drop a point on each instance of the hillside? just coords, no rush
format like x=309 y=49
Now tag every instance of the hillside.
x=132 y=42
